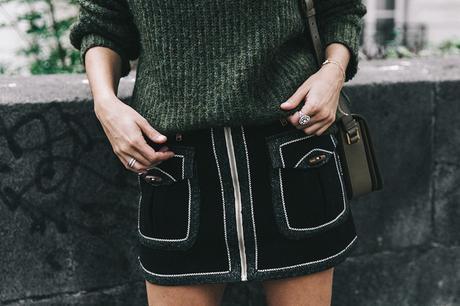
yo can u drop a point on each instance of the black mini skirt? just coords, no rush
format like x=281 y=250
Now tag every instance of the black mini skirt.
x=244 y=203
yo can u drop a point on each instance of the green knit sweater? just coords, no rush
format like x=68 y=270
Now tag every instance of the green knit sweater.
x=206 y=63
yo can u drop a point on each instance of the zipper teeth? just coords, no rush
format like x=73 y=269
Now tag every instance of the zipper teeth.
x=238 y=206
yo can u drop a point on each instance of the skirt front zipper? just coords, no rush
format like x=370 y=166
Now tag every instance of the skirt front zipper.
x=238 y=206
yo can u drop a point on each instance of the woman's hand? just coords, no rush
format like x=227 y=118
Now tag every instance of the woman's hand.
x=124 y=128
x=321 y=95
x=320 y=92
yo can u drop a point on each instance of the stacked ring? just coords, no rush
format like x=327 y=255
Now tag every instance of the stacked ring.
x=131 y=162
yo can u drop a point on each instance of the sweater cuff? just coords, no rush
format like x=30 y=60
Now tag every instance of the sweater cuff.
x=348 y=34
x=94 y=40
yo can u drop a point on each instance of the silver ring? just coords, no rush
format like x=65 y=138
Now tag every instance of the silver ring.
x=303 y=119
x=131 y=162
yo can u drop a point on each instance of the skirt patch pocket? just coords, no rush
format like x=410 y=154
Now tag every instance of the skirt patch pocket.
x=168 y=213
x=308 y=190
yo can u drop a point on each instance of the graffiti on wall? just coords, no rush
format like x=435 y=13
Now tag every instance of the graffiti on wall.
x=54 y=160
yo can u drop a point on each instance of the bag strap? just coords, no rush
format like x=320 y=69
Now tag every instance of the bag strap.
x=311 y=12
x=344 y=115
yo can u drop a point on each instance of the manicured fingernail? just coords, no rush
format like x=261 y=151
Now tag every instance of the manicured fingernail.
x=287 y=102
x=161 y=138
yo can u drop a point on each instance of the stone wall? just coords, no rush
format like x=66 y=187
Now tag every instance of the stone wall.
x=68 y=207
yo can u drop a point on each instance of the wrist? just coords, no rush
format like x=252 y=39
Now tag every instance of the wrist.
x=103 y=102
x=337 y=64
x=334 y=72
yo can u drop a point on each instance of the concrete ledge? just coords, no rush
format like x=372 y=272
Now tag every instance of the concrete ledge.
x=68 y=207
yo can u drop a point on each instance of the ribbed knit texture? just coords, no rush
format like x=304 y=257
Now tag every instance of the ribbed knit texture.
x=206 y=63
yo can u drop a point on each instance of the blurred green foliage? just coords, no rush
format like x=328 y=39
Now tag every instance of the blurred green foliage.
x=451 y=46
x=447 y=47
x=46 y=36
x=392 y=44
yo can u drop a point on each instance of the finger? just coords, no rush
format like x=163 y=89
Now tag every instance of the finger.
x=323 y=129
x=294 y=118
x=150 y=154
x=138 y=167
x=312 y=105
x=144 y=148
x=317 y=127
x=297 y=97
x=139 y=149
x=129 y=149
x=150 y=132
x=314 y=113
x=313 y=120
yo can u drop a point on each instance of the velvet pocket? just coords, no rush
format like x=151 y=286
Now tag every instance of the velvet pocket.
x=169 y=202
x=307 y=182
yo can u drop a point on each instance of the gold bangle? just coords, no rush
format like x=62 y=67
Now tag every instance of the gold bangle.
x=327 y=61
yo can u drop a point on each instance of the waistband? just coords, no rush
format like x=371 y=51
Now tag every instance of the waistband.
x=265 y=128
x=194 y=136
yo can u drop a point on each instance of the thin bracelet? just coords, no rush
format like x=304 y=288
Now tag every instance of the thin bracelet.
x=327 y=61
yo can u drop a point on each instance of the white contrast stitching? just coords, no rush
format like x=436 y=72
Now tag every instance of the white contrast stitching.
x=298 y=139
x=321 y=225
x=250 y=194
x=255 y=233
x=312 y=262
x=168 y=239
x=178 y=275
x=333 y=140
x=252 y=213
x=340 y=163
x=225 y=228
x=166 y=173
x=282 y=189
x=183 y=164
x=312 y=150
x=288 y=142
x=223 y=199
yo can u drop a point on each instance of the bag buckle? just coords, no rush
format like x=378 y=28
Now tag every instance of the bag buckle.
x=354 y=137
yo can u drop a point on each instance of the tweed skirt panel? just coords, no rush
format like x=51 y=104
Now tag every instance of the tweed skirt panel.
x=244 y=203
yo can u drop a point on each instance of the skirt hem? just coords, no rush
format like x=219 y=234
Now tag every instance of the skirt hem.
x=260 y=275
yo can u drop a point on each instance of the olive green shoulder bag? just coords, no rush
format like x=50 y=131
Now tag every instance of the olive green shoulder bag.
x=355 y=146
